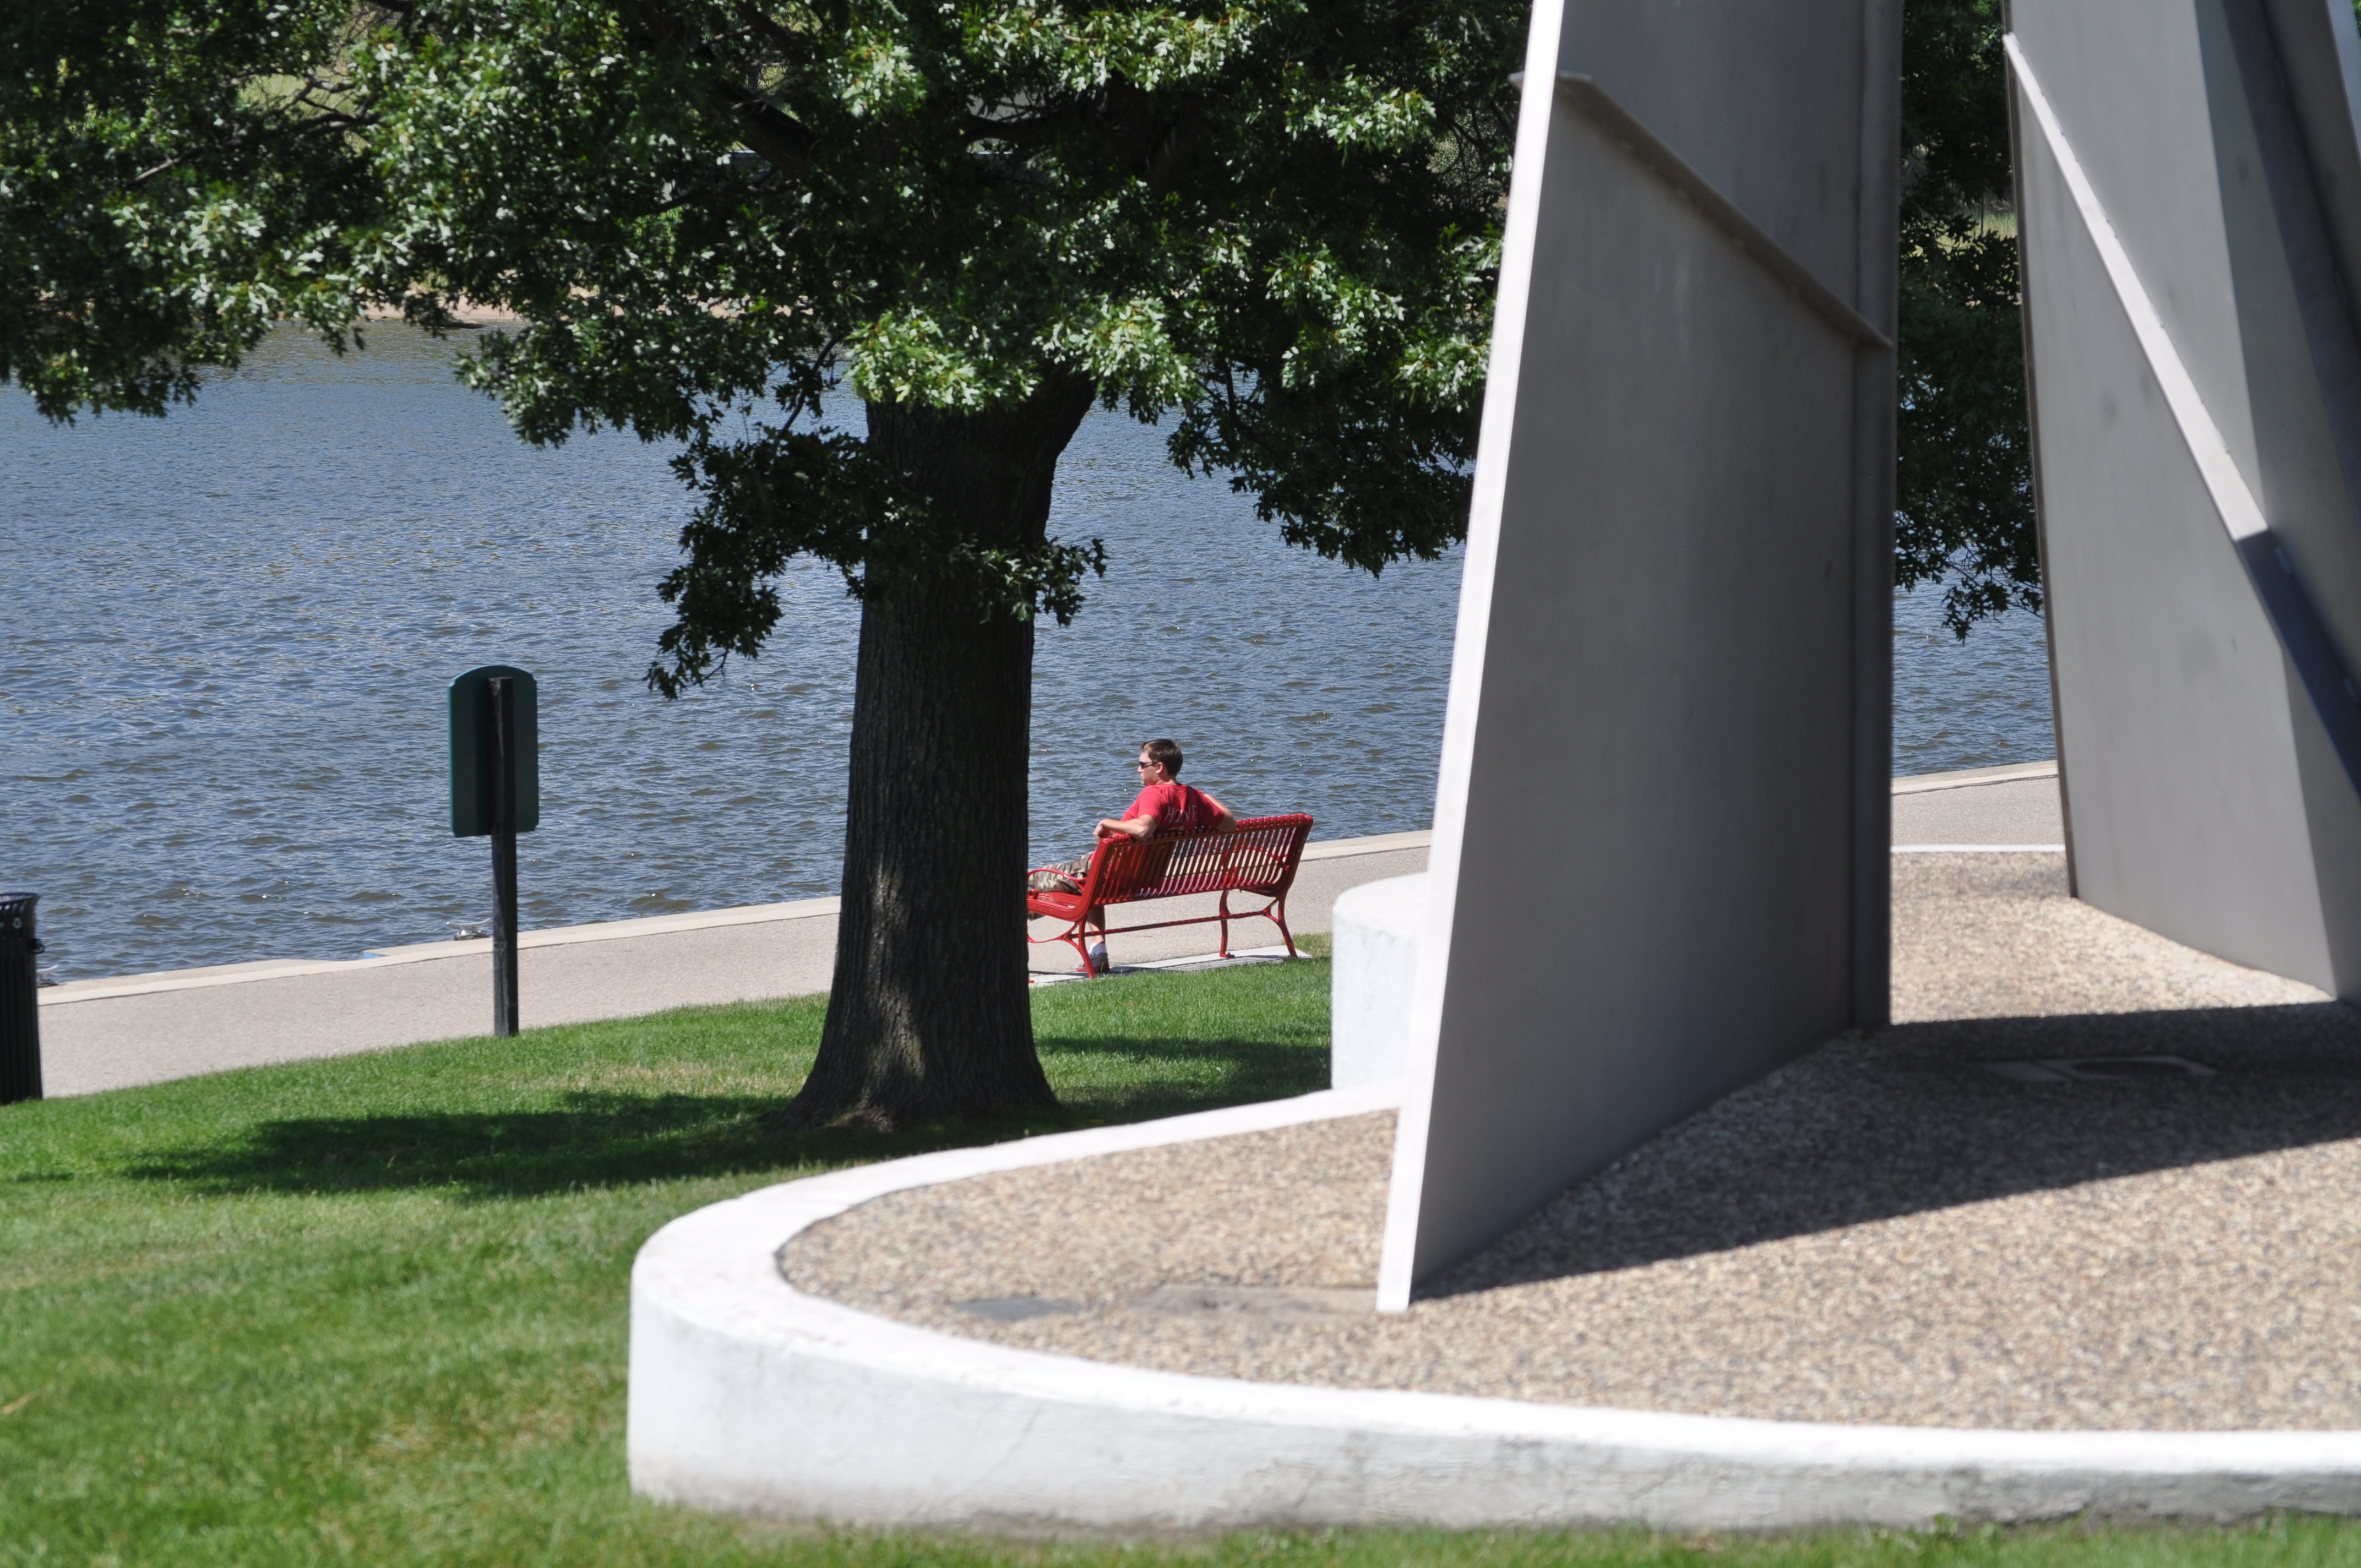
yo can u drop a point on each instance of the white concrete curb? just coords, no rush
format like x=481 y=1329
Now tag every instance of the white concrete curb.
x=1375 y=931
x=1979 y=848
x=748 y=1397
x=1969 y=778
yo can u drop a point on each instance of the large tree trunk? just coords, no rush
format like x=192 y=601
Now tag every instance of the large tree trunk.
x=928 y=1015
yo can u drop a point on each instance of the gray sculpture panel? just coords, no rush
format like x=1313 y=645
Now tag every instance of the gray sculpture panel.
x=2167 y=666
x=1655 y=900
x=2200 y=627
x=1660 y=857
x=1660 y=861
x=2137 y=115
x=1765 y=102
x=2182 y=119
x=2321 y=57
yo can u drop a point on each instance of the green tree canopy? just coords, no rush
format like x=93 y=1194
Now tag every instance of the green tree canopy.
x=1964 y=485
x=1276 y=219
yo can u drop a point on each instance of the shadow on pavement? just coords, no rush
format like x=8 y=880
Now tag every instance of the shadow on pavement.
x=1908 y=1120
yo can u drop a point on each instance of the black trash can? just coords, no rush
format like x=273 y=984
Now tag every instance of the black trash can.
x=20 y=1012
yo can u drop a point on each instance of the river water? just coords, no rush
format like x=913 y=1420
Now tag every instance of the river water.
x=228 y=634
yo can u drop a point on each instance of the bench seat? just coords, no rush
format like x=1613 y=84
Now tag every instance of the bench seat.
x=1258 y=860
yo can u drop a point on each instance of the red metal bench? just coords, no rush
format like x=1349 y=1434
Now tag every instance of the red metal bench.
x=1258 y=860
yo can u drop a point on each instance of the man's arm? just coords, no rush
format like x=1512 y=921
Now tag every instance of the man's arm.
x=1224 y=821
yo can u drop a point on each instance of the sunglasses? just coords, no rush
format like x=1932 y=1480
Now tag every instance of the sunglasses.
x=1143 y=767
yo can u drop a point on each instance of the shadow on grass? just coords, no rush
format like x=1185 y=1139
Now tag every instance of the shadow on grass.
x=589 y=1140
x=1175 y=1076
x=602 y=1138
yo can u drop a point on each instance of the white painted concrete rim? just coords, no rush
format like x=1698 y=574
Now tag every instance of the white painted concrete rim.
x=1979 y=848
x=1374 y=844
x=709 y=1304
x=1969 y=778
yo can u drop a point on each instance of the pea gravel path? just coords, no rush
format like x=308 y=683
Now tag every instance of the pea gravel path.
x=1881 y=1232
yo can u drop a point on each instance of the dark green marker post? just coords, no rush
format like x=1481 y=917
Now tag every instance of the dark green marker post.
x=20 y=1012
x=496 y=791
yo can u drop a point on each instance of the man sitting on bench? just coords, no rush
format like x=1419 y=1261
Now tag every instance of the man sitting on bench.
x=1164 y=804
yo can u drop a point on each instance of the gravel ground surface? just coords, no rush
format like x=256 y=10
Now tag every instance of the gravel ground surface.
x=1884 y=1230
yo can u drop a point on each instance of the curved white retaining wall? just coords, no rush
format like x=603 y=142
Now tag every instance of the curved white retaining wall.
x=1377 y=930
x=748 y=1397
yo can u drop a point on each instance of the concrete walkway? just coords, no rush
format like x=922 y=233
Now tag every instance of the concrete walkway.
x=113 y=1033
x=2015 y=804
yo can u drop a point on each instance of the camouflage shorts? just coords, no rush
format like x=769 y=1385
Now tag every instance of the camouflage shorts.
x=1066 y=878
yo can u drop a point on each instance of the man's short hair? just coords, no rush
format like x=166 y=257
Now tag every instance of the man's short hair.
x=1167 y=752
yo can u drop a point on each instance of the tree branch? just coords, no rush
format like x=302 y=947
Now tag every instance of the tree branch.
x=784 y=144
x=330 y=123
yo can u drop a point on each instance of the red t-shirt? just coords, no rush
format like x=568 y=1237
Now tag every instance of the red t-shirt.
x=1176 y=808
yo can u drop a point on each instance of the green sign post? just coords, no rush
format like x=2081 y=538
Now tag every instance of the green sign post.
x=496 y=791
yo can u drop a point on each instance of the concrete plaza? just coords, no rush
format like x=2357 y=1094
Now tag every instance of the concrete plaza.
x=1892 y=1230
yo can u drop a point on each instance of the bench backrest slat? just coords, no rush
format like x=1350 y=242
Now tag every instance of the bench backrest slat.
x=1261 y=857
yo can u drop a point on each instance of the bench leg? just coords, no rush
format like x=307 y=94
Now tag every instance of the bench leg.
x=1078 y=935
x=1280 y=919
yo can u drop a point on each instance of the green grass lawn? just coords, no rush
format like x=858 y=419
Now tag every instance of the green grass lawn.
x=372 y=1310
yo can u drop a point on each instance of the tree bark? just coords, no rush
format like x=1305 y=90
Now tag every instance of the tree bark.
x=929 y=1014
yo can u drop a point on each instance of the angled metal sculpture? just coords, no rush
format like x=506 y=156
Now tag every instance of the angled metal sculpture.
x=1660 y=865
x=2189 y=191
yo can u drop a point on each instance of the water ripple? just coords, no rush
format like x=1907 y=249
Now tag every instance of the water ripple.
x=229 y=632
